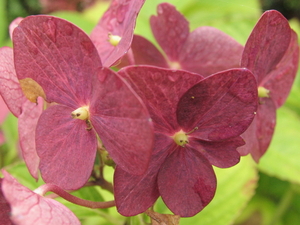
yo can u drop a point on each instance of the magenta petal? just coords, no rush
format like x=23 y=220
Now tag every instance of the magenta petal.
x=222 y=154
x=280 y=80
x=66 y=148
x=119 y=20
x=186 y=182
x=29 y=208
x=160 y=89
x=26 y=126
x=135 y=194
x=221 y=106
x=170 y=29
x=57 y=55
x=267 y=44
x=145 y=53
x=208 y=50
x=122 y=122
x=10 y=88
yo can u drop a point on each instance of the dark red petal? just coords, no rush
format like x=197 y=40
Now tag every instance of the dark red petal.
x=10 y=88
x=221 y=106
x=57 y=55
x=122 y=122
x=170 y=29
x=280 y=80
x=135 y=194
x=260 y=133
x=4 y=208
x=119 y=20
x=222 y=154
x=186 y=182
x=145 y=53
x=160 y=89
x=208 y=50
x=26 y=126
x=266 y=44
x=29 y=208
x=66 y=148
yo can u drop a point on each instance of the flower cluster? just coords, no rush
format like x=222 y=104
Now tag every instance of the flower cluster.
x=165 y=119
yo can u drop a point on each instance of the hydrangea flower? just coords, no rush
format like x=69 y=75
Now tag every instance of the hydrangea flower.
x=21 y=206
x=197 y=123
x=272 y=54
x=113 y=34
x=57 y=59
x=26 y=111
x=205 y=50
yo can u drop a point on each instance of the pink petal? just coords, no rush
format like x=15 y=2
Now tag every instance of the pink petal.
x=57 y=55
x=145 y=53
x=26 y=126
x=4 y=208
x=28 y=208
x=10 y=88
x=4 y=110
x=221 y=106
x=122 y=122
x=66 y=148
x=119 y=20
x=13 y=25
x=280 y=80
x=170 y=29
x=267 y=44
x=135 y=194
x=186 y=182
x=160 y=89
x=208 y=50
x=259 y=135
x=222 y=154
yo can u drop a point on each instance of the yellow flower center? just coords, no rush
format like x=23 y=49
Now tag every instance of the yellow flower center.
x=181 y=138
x=263 y=92
x=114 y=39
x=81 y=113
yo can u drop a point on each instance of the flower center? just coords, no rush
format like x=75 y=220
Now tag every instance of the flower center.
x=263 y=92
x=81 y=113
x=181 y=138
x=114 y=39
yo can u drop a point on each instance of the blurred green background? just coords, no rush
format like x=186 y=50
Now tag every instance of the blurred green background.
x=247 y=194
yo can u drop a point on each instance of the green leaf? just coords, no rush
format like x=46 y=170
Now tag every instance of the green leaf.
x=283 y=156
x=236 y=186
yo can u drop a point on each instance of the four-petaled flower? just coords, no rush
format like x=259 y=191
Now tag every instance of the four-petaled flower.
x=272 y=55
x=206 y=50
x=197 y=123
x=59 y=61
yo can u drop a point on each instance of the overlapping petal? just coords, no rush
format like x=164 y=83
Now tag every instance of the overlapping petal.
x=170 y=29
x=128 y=188
x=122 y=122
x=66 y=148
x=118 y=20
x=186 y=182
x=266 y=44
x=283 y=76
x=160 y=89
x=4 y=208
x=28 y=208
x=221 y=106
x=222 y=154
x=44 y=50
x=27 y=112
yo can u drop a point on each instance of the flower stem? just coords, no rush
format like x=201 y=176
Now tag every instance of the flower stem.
x=283 y=205
x=42 y=190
